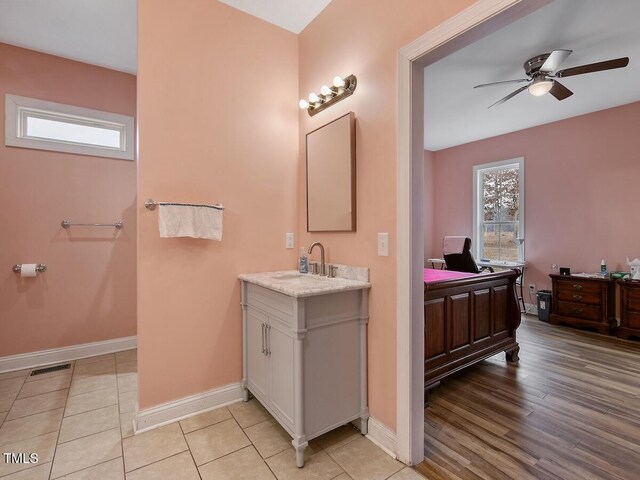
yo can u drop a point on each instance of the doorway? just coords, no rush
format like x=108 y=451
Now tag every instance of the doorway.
x=69 y=170
x=482 y=18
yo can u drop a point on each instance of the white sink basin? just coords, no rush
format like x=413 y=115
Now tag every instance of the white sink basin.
x=304 y=278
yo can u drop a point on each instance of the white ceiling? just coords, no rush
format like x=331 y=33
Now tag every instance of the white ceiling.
x=596 y=30
x=292 y=15
x=104 y=32
x=99 y=32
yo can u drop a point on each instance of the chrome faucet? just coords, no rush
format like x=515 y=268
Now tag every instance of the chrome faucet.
x=322 y=265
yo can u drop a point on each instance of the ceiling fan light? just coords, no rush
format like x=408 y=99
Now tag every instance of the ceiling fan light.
x=540 y=87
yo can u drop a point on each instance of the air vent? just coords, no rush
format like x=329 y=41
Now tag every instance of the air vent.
x=55 y=368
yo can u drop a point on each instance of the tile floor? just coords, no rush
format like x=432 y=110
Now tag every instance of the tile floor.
x=79 y=422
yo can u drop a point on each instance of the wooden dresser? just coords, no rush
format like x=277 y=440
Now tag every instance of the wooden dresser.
x=583 y=302
x=629 y=309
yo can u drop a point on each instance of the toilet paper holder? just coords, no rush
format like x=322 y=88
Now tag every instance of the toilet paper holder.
x=40 y=268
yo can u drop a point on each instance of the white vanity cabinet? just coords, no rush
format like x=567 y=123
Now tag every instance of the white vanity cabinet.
x=269 y=362
x=305 y=357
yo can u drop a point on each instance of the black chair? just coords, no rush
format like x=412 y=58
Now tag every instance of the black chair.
x=463 y=261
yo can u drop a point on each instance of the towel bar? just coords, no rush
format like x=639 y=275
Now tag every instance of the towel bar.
x=68 y=223
x=151 y=204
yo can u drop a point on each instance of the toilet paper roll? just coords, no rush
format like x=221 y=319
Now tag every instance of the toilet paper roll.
x=28 y=270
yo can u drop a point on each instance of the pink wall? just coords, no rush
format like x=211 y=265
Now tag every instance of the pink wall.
x=580 y=177
x=363 y=38
x=88 y=292
x=218 y=94
x=429 y=200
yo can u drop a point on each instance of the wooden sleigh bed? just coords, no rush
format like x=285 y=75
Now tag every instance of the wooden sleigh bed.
x=467 y=318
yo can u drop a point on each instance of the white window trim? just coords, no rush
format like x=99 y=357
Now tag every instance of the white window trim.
x=16 y=109
x=519 y=162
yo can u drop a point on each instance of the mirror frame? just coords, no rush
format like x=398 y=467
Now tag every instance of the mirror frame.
x=352 y=136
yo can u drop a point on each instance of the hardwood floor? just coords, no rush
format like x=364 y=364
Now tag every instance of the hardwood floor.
x=570 y=410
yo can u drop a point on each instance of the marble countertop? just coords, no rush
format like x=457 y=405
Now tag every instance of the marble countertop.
x=295 y=284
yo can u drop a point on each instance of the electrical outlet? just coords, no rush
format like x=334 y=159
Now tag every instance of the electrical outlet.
x=532 y=288
x=288 y=240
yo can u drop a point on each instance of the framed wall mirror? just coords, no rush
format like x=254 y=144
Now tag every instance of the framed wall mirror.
x=331 y=176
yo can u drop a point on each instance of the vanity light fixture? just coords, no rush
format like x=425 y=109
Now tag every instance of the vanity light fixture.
x=340 y=89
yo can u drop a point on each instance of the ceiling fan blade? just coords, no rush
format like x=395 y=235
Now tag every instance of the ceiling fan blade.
x=560 y=91
x=594 y=67
x=520 y=80
x=509 y=97
x=554 y=60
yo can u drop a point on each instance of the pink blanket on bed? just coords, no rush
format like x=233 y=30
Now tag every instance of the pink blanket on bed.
x=431 y=275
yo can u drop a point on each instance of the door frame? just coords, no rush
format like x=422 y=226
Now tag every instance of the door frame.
x=478 y=20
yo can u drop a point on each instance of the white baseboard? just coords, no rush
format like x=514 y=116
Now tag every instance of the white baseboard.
x=65 y=354
x=182 y=408
x=383 y=437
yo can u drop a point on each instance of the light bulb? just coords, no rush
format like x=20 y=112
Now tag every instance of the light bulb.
x=338 y=81
x=540 y=87
x=313 y=98
x=303 y=104
x=326 y=91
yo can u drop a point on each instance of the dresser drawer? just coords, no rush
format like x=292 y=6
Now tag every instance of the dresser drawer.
x=633 y=304
x=632 y=320
x=579 y=287
x=579 y=310
x=633 y=293
x=579 y=296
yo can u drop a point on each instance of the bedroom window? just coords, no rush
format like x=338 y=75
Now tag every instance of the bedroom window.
x=498 y=210
x=42 y=125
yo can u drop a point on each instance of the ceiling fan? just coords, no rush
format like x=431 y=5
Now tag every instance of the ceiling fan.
x=542 y=79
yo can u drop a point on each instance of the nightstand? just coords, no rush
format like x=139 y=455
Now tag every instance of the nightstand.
x=583 y=302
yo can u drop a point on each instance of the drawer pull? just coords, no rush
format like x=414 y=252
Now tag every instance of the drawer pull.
x=268 y=352
x=264 y=350
x=577 y=310
x=577 y=286
x=577 y=297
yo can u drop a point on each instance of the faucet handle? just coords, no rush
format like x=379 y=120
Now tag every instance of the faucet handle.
x=332 y=270
x=313 y=267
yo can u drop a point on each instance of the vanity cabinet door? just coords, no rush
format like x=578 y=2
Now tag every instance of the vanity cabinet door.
x=280 y=346
x=257 y=360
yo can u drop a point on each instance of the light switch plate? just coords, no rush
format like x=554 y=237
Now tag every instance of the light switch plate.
x=383 y=244
x=288 y=240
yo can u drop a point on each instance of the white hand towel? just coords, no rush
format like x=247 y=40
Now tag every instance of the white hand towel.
x=190 y=221
x=453 y=245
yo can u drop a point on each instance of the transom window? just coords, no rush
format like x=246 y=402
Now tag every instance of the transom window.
x=32 y=123
x=499 y=210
